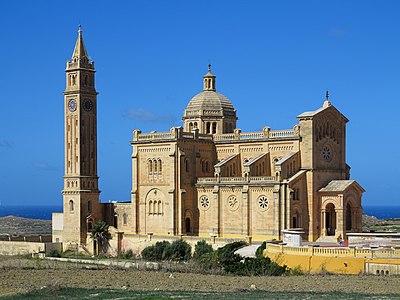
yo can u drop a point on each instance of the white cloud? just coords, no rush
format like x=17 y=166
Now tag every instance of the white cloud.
x=143 y=115
x=6 y=144
x=44 y=166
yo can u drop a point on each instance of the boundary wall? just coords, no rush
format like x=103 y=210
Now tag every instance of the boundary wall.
x=22 y=248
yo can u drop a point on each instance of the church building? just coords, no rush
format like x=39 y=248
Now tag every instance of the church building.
x=207 y=178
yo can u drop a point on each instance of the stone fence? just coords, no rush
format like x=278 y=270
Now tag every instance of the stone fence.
x=22 y=248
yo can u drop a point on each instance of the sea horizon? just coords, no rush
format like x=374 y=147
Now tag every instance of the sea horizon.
x=44 y=212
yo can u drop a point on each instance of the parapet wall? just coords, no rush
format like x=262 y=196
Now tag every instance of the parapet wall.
x=337 y=260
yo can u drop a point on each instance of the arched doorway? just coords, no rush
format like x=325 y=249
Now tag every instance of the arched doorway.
x=188 y=225
x=296 y=219
x=349 y=219
x=330 y=219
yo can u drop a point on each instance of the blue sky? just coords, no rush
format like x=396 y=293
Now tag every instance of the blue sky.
x=278 y=56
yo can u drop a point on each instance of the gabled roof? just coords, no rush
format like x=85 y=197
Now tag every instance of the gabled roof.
x=340 y=186
x=253 y=160
x=327 y=105
x=224 y=161
x=285 y=158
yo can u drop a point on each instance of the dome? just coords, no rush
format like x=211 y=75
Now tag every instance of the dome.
x=209 y=111
x=209 y=100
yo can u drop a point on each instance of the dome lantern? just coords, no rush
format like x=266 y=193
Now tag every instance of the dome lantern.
x=209 y=80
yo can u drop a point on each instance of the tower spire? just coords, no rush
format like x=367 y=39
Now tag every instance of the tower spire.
x=209 y=80
x=80 y=49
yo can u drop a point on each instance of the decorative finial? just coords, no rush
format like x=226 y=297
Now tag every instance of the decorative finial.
x=327 y=103
x=80 y=28
x=209 y=67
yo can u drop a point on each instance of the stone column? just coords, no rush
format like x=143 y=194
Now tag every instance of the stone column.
x=217 y=212
x=246 y=209
x=276 y=217
x=323 y=222
x=340 y=229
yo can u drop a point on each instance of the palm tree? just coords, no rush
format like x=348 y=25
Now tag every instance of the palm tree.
x=100 y=235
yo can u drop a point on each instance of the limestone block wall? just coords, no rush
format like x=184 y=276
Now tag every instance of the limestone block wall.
x=21 y=248
x=123 y=215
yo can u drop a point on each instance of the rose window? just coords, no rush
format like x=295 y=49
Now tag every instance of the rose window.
x=263 y=202
x=326 y=153
x=204 y=202
x=233 y=202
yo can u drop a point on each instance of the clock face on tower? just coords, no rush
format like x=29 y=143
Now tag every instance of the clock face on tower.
x=72 y=105
x=87 y=105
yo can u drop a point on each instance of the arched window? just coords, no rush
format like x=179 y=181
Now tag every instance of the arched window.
x=90 y=225
x=125 y=218
x=195 y=125
x=155 y=206
x=89 y=206
x=71 y=205
x=190 y=126
x=159 y=166
x=150 y=166
x=159 y=208
x=86 y=80
x=207 y=167
x=151 y=207
x=155 y=166
x=187 y=165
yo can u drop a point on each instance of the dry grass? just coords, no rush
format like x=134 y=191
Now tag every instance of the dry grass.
x=21 y=274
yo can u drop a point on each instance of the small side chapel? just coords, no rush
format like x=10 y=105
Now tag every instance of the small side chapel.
x=207 y=178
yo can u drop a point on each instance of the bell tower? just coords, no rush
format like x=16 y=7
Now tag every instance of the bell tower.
x=80 y=193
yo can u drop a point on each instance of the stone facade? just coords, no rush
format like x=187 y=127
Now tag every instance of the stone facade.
x=208 y=178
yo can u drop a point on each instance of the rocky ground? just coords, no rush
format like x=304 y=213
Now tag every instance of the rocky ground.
x=373 y=224
x=16 y=226
x=21 y=274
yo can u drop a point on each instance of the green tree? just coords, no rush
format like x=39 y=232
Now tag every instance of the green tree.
x=100 y=235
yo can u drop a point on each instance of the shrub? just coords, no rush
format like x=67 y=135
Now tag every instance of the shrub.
x=226 y=255
x=179 y=250
x=225 y=258
x=54 y=253
x=201 y=248
x=259 y=251
x=128 y=254
x=155 y=252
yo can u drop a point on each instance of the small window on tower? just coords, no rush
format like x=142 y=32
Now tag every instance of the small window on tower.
x=71 y=205
x=125 y=218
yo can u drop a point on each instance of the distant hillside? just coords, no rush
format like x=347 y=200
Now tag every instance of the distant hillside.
x=17 y=226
